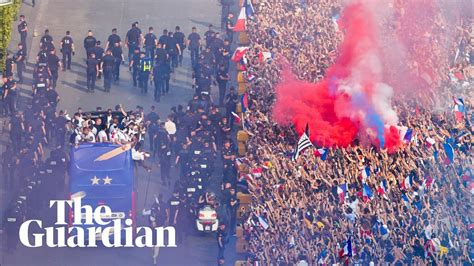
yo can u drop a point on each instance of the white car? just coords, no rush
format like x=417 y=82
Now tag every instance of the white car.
x=207 y=220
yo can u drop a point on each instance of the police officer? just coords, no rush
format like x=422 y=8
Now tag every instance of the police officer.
x=194 y=43
x=173 y=49
x=209 y=35
x=108 y=63
x=92 y=72
x=229 y=27
x=159 y=81
x=20 y=62
x=150 y=43
x=46 y=42
x=9 y=95
x=60 y=123
x=165 y=161
x=89 y=43
x=23 y=30
x=67 y=49
x=39 y=85
x=161 y=55
x=54 y=63
x=172 y=214
x=113 y=39
x=179 y=36
x=222 y=78
x=135 y=65
x=12 y=223
x=133 y=40
x=9 y=65
x=163 y=40
x=118 y=55
x=99 y=55
x=144 y=74
x=221 y=239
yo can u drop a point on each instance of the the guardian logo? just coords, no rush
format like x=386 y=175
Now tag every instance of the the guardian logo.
x=90 y=226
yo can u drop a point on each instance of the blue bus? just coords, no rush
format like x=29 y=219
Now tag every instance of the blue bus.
x=102 y=174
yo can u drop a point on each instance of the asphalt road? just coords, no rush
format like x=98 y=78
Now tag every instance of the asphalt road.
x=101 y=16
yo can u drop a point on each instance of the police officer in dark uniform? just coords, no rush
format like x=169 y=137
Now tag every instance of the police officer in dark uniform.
x=150 y=43
x=161 y=55
x=108 y=63
x=113 y=39
x=20 y=62
x=222 y=78
x=144 y=72
x=165 y=161
x=194 y=43
x=166 y=77
x=23 y=30
x=209 y=36
x=173 y=49
x=54 y=63
x=172 y=214
x=67 y=49
x=9 y=63
x=60 y=123
x=133 y=40
x=229 y=27
x=12 y=222
x=46 y=42
x=158 y=80
x=163 y=40
x=92 y=70
x=179 y=36
x=118 y=55
x=9 y=96
x=99 y=54
x=89 y=43
x=135 y=65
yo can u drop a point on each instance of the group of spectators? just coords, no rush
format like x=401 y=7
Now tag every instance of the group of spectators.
x=306 y=211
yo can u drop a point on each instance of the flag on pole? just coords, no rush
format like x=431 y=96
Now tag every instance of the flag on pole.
x=382 y=190
x=241 y=20
x=303 y=143
x=249 y=11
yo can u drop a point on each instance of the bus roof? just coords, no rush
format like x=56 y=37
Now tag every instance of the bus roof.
x=85 y=157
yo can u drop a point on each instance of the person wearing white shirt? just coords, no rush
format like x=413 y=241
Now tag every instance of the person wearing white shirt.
x=86 y=136
x=170 y=126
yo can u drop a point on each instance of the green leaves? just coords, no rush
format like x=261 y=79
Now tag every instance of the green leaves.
x=7 y=18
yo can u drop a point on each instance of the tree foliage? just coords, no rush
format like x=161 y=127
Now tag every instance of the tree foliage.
x=8 y=15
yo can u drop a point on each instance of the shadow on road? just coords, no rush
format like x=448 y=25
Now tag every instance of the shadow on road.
x=79 y=85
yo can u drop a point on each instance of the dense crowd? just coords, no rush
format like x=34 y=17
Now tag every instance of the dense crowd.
x=414 y=207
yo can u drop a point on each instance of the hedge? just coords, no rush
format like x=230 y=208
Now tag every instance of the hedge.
x=8 y=15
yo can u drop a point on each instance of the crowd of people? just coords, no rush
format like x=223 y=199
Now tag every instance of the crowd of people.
x=402 y=208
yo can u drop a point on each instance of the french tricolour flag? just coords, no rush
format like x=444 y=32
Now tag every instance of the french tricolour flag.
x=346 y=252
x=365 y=173
x=239 y=53
x=241 y=20
x=382 y=190
x=323 y=153
x=342 y=192
x=458 y=108
x=367 y=192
